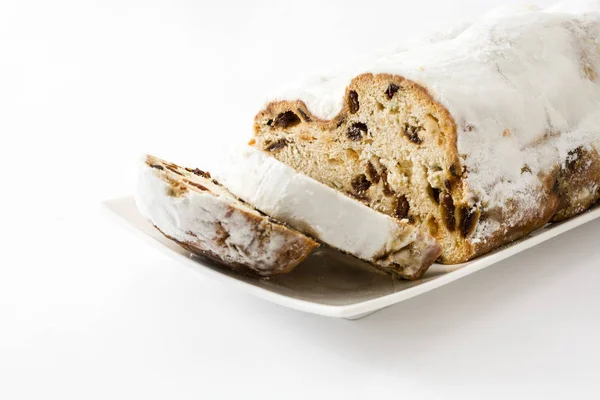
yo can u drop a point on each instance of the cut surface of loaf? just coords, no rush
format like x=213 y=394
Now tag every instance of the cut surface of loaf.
x=202 y=216
x=478 y=139
x=394 y=246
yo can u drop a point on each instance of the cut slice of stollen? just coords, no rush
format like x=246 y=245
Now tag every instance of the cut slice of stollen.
x=392 y=245
x=202 y=216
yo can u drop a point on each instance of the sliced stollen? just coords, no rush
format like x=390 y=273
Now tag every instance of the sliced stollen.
x=202 y=216
x=479 y=137
x=392 y=245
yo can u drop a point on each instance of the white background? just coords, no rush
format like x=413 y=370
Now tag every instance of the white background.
x=87 y=311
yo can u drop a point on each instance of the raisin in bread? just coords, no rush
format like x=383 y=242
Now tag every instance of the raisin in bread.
x=478 y=139
x=393 y=246
x=197 y=212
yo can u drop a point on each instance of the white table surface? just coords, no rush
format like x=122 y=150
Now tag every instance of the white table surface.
x=87 y=311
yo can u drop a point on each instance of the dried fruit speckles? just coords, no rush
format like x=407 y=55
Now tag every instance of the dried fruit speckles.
x=454 y=170
x=447 y=205
x=199 y=172
x=391 y=90
x=372 y=172
x=434 y=193
x=287 y=119
x=353 y=102
x=402 y=207
x=356 y=130
x=360 y=184
x=279 y=144
x=174 y=170
x=469 y=219
x=196 y=185
x=304 y=115
x=412 y=133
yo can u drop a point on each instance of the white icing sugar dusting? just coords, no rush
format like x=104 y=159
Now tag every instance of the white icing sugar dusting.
x=201 y=217
x=522 y=84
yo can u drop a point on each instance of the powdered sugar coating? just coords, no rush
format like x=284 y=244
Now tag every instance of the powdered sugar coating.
x=215 y=222
x=522 y=85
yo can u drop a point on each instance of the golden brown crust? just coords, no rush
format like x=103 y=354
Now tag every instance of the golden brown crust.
x=513 y=233
x=578 y=183
x=289 y=259
x=427 y=256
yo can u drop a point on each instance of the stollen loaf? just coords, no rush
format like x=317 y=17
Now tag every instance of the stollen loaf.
x=477 y=139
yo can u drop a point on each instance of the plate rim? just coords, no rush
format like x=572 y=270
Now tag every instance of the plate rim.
x=366 y=307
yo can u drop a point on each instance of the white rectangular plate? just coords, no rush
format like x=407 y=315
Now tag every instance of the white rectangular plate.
x=330 y=283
